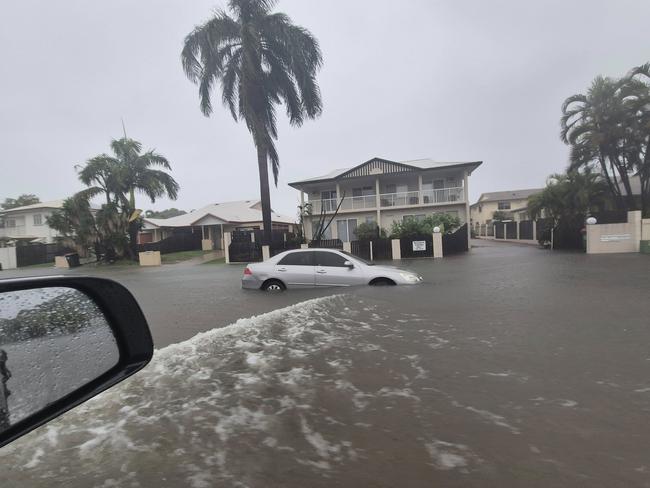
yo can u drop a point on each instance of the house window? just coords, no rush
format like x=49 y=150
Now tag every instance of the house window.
x=438 y=184
x=38 y=219
x=371 y=219
x=418 y=217
x=329 y=200
x=347 y=229
x=10 y=223
x=363 y=191
x=504 y=206
x=480 y=208
x=327 y=233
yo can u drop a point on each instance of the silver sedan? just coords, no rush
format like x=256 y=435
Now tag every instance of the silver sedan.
x=308 y=268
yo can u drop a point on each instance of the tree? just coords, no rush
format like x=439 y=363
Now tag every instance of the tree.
x=568 y=199
x=21 y=201
x=164 y=214
x=261 y=59
x=75 y=223
x=500 y=215
x=597 y=126
x=637 y=99
x=119 y=177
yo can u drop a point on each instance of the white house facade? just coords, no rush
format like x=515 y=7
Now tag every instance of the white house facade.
x=381 y=191
x=29 y=223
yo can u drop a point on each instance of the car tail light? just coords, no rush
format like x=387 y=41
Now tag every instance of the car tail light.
x=247 y=271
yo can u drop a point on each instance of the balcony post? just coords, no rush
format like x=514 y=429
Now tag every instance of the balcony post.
x=338 y=196
x=378 y=201
x=420 y=199
x=467 y=215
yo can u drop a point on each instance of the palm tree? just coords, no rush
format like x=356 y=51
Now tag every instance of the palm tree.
x=120 y=176
x=595 y=125
x=637 y=92
x=128 y=171
x=261 y=59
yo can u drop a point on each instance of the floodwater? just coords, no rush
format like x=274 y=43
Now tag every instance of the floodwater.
x=541 y=380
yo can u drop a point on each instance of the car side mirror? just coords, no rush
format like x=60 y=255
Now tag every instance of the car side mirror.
x=64 y=340
x=348 y=264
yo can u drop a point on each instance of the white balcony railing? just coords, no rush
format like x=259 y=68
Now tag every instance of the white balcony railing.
x=401 y=199
x=16 y=231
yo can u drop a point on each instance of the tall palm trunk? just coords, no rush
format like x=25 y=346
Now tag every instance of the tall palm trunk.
x=265 y=195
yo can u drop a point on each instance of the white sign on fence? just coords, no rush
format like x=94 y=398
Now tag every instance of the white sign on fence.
x=419 y=245
x=615 y=237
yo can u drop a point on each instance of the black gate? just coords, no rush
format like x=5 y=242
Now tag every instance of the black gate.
x=382 y=249
x=455 y=242
x=327 y=243
x=37 y=253
x=244 y=252
x=174 y=243
x=419 y=246
x=498 y=230
x=511 y=230
x=526 y=229
x=277 y=247
x=361 y=249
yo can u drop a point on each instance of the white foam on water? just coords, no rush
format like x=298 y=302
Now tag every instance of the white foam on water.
x=447 y=455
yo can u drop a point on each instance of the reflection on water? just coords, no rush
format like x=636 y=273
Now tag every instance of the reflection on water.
x=52 y=341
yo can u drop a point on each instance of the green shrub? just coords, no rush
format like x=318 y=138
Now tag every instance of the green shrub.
x=411 y=226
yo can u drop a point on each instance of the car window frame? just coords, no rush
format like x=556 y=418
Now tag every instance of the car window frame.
x=313 y=258
x=343 y=257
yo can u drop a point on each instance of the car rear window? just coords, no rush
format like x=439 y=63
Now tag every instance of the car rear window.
x=299 y=258
x=324 y=258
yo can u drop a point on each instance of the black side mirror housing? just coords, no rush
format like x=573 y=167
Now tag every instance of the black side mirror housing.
x=46 y=323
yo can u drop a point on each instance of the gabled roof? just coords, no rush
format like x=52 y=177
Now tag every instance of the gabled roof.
x=385 y=166
x=242 y=211
x=35 y=206
x=508 y=195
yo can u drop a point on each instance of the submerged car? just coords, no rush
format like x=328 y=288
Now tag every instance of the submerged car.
x=305 y=268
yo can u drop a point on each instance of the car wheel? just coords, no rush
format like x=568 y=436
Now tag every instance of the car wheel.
x=273 y=286
x=382 y=282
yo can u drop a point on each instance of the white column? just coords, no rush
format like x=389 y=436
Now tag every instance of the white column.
x=437 y=245
x=534 y=230
x=397 y=250
x=518 y=231
x=226 y=243
x=420 y=189
x=466 y=196
x=378 y=201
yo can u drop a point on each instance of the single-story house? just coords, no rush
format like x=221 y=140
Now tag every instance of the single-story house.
x=213 y=220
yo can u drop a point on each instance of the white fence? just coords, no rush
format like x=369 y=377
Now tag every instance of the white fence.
x=8 y=258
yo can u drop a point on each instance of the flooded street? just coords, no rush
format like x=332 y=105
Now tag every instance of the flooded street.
x=509 y=366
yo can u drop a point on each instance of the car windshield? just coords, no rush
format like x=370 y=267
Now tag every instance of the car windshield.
x=215 y=157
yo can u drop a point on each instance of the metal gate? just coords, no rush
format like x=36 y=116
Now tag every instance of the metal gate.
x=361 y=249
x=455 y=242
x=418 y=246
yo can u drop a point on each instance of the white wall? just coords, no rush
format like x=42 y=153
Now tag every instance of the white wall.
x=8 y=257
x=614 y=238
x=25 y=224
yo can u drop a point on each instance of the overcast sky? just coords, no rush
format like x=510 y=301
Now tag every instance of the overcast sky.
x=450 y=80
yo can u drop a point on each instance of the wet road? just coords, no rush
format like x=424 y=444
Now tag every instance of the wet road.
x=510 y=366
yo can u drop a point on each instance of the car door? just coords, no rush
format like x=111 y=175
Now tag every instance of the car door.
x=296 y=269
x=330 y=270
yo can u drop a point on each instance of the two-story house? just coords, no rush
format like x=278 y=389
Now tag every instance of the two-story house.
x=382 y=192
x=29 y=222
x=512 y=202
